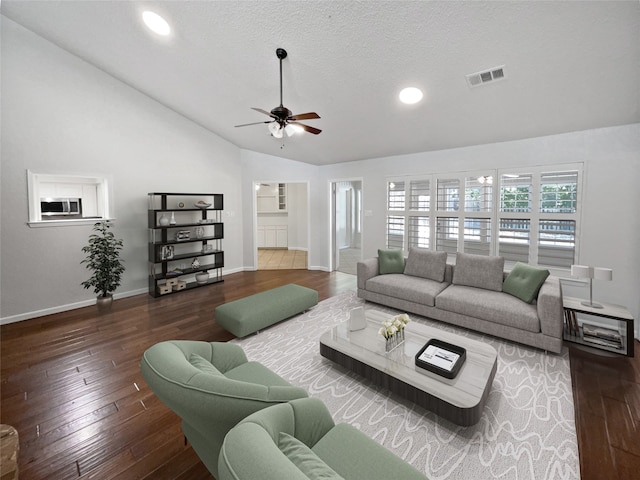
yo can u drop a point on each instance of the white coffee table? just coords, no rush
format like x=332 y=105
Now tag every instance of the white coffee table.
x=460 y=400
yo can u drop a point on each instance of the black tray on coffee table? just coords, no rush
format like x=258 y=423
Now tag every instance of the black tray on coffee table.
x=442 y=358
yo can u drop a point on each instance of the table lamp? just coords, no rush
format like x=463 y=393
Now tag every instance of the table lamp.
x=583 y=271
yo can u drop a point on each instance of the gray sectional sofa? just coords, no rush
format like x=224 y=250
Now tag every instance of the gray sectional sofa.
x=524 y=305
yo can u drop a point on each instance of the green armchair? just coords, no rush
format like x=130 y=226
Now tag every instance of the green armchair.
x=211 y=387
x=298 y=440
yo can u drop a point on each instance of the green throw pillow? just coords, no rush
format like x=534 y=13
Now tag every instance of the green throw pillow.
x=390 y=261
x=202 y=364
x=524 y=282
x=304 y=458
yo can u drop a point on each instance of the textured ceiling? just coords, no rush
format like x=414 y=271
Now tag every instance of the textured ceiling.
x=569 y=66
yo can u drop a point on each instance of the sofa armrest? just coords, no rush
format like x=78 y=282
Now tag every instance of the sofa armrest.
x=550 y=310
x=367 y=269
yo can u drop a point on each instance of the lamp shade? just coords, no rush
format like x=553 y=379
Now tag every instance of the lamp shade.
x=581 y=271
x=602 y=273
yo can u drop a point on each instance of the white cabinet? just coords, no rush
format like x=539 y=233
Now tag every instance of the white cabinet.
x=273 y=236
x=282 y=237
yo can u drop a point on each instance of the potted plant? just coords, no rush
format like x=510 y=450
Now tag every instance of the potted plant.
x=103 y=259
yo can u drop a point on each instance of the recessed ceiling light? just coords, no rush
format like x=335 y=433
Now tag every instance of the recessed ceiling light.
x=156 y=23
x=410 y=95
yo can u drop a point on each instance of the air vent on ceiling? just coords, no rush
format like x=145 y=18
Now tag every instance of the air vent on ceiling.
x=486 y=76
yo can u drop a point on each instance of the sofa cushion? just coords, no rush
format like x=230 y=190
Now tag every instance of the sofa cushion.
x=524 y=282
x=426 y=263
x=304 y=458
x=405 y=287
x=479 y=271
x=390 y=261
x=202 y=364
x=496 y=307
x=356 y=456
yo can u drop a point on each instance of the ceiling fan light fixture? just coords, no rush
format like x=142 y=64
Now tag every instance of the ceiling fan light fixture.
x=410 y=95
x=156 y=23
x=276 y=130
x=293 y=129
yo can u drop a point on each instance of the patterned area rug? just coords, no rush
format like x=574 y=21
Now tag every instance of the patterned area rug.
x=527 y=430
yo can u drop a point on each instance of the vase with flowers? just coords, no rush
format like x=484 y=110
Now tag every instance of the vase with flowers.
x=393 y=331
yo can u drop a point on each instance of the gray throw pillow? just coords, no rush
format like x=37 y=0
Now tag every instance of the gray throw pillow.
x=390 y=261
x=479 y=271
x=426 y=263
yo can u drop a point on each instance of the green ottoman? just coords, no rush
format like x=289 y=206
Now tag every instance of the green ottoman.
x=250 y=314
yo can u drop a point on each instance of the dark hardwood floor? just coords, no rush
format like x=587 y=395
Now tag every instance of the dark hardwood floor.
x=72 y=387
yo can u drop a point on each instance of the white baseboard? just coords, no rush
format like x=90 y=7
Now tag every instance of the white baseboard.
x=64 y=308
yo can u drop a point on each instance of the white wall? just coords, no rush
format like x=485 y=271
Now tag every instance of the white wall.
x=61 y=115
x=610 y=224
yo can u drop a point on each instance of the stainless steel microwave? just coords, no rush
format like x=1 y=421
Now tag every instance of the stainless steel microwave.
x=60 y=206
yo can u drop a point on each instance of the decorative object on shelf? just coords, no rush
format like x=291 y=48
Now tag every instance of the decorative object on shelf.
x=173 y=219
x=583 y=271
x=207 y=248
x=175 y=272
x=180 y=285
x=163 y=221
x=202 y=204
x=195 y=264
x=199 y=232
x=393 y=331
x=180 y=204
x=357 y=320
x=202 y=277
x=206 y=221
x=167 y=252
x=103 y=258
x=182 y=235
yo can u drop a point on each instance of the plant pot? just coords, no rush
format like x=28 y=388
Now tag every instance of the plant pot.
x=202 y=277
x=104 y=303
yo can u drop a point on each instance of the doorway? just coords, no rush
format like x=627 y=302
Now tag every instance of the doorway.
x=282 y=225
x=347 y=225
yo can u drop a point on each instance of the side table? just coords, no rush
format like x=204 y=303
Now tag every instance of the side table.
x=618 y=313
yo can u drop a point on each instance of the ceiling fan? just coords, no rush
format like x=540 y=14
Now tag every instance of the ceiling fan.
x=283 y=121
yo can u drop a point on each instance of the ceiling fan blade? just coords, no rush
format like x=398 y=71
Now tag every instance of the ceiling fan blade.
x=262 y=111
x=254 y=123
x=304 y=116
x=307 y=128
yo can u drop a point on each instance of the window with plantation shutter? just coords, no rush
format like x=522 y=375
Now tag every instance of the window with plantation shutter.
x=527 y=215
x=419 y=233
x=477 y=236
x=419 y=195
x=448 y=194
x=478 y=194
x=447 y=234
x=515 y=193
x=395 y=196
x=559 y=192
x=514 y=239
x=395 y=231
x=556 y=243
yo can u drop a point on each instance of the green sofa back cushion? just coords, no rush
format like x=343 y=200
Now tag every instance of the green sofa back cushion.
x=390 y=261
x=304 y=458
x=524 y=282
